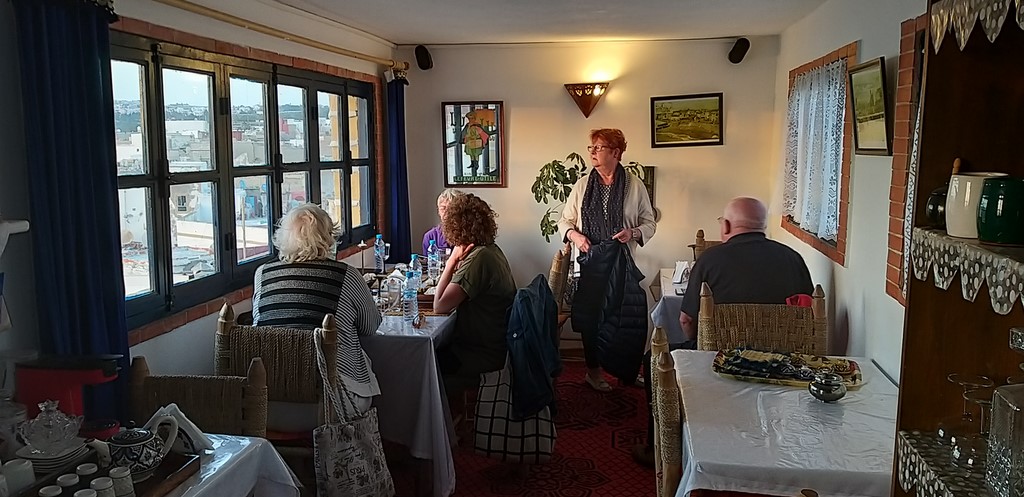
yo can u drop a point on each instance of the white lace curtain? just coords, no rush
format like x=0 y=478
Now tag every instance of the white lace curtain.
x=814 y=149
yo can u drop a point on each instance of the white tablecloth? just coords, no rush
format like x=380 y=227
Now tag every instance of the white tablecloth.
x=666 y=311
x=775 y=440
x=237 y=466
x=412 y=408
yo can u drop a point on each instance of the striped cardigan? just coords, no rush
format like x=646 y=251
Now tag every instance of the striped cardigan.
x=299 y=294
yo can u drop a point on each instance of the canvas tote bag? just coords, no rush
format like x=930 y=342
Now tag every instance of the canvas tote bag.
x=347 y=451
x=529 y=440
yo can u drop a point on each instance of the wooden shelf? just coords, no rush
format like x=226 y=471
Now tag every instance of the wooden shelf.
x=935 y=253
x=928 y=467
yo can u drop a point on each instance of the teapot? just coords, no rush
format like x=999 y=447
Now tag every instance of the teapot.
x=52 y=431
x=141 y=450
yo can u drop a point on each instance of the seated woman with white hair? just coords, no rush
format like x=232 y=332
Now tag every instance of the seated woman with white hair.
x=299 y=289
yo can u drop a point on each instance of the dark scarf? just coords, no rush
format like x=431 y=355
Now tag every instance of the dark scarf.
x=598 y=226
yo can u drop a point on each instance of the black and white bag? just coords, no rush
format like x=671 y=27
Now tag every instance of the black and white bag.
x=530 y=440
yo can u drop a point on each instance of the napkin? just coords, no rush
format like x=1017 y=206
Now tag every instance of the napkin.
x=190 y=440
x=681 y=273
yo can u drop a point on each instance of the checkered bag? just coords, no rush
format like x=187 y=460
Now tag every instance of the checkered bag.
x=530 y=440
x=347 y=449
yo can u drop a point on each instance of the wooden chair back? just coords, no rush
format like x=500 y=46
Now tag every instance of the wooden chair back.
x=701 y=244
x=770 y=327
x=666 y=407
x=233 y=405
x=558 y=275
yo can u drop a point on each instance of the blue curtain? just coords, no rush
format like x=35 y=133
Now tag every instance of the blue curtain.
x=398 y=175
x=64 y=48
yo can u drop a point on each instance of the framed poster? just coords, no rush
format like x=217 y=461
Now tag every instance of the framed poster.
x=474 y=144
x=686 y=120
x=871 y=134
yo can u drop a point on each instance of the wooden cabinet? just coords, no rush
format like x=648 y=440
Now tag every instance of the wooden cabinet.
x=972 y=108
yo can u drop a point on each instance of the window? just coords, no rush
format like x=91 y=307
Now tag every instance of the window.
x=211 y=151
x=816 y=169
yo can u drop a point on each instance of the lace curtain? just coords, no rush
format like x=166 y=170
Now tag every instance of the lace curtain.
x=814 y=149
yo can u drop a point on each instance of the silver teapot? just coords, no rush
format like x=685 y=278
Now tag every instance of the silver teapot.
x=827 y=387
x=141 y=450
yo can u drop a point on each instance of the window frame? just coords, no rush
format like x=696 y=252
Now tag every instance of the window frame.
x=836 y=251
x=154 y=56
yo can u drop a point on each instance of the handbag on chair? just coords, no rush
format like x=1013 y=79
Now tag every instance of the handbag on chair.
x=347 y=451
x=499 y=435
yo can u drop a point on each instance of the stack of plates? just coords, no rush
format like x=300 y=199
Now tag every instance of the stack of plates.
x=43 y=464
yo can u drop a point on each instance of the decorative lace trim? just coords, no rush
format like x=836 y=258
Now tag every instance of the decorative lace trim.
x=908 y=202
x=959 y=16
x=977 y=264
x=814 y=149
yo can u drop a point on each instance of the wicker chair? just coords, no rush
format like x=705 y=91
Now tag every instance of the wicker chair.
x=700 y=244
x=558 y=279
x=290 y=361
x=666 y=407
x=773 y=327
x=232 y=405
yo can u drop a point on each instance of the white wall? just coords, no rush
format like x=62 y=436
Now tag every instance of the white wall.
x=543 y=123
x=16 y=262
x=271 y=14
x=858 y=302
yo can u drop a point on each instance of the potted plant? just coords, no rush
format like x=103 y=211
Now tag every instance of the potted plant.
x=554 y=183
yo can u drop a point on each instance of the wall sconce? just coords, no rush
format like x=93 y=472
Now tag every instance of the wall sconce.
x=586 y=95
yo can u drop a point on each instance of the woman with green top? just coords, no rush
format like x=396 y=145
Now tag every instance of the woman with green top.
x=477 y=281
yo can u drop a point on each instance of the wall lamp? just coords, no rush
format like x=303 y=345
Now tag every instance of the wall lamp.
x=586 y=95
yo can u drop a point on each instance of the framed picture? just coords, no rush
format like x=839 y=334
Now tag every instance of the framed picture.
x=648 y=182
x=868 y=96
x=686 y=120
x=473 y=134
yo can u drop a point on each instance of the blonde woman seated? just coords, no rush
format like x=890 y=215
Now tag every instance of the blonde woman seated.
x=299 y=289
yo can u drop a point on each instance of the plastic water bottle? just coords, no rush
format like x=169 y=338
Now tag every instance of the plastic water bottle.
x=433 y=261
x=417 y=270
x=410 y=308
x=378 y=254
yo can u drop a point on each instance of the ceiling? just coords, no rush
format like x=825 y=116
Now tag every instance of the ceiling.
x=437 y=22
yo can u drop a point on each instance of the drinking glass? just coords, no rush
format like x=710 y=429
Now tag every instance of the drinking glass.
x=950 y=428
x=970 y=450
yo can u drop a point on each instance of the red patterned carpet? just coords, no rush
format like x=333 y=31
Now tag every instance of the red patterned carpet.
x=596 y=432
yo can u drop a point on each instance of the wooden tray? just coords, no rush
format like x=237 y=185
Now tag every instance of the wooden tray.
x=173 y=470
x=796 y=370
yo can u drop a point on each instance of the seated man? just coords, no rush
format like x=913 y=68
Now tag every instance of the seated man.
x=747 y=268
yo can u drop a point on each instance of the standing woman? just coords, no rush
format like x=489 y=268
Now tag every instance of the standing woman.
x=607 y=209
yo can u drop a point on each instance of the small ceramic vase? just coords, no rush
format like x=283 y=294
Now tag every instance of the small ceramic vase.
x=962 y=203
x=1001 y=211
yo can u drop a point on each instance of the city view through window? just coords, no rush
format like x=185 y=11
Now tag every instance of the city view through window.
x=196 y=196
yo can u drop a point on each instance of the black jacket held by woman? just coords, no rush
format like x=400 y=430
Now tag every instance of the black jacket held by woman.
x=610 y=302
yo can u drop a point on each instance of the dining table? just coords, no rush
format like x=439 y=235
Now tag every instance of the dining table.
x=757 y=438
x=666 y=312
x=412 y=409
x=240 y=466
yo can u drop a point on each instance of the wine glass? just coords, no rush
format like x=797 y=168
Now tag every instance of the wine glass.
x=950 y=427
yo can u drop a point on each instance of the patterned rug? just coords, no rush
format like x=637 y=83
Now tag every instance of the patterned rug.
x=596 y=432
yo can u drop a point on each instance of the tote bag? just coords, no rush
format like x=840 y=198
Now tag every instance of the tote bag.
x=498 y=435
x=347 y=451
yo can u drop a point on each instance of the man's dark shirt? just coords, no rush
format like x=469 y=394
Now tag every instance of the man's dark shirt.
x=747 y=269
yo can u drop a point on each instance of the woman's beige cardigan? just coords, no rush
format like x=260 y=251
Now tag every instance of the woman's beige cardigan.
x=636 y=210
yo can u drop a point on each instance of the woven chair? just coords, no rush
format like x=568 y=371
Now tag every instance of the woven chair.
x=770 y=327
x=700 y=244
x=558 y=279
x=290 y=360
x=666 y=407
x=231 y=405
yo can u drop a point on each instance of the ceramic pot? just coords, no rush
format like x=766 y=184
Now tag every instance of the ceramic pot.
x=827 y=387
x=935 y=207
x=1001 y=211
x=962 y=203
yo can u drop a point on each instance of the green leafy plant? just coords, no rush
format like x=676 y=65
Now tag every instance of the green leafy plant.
x=554 y=183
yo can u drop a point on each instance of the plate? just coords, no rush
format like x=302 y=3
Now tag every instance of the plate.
x=792 y=369
x=69 y=453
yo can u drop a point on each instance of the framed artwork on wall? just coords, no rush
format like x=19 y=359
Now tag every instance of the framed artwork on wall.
x=686 y=120
x=473 y=135
x=868 y=97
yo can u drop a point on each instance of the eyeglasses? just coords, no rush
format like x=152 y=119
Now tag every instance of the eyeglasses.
x=596 y=148
x=721 y=218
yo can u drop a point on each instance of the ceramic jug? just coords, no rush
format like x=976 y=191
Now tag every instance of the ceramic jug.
x=141 y=450
x=1001 y=211
x=962 y=203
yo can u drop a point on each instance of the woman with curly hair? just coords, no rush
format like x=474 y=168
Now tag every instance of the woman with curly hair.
x=477 y=281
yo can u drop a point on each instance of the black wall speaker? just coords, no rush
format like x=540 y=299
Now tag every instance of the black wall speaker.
x=739 y=50
x=423 y=59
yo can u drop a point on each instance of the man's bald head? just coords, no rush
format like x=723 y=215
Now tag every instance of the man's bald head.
x=744 y=215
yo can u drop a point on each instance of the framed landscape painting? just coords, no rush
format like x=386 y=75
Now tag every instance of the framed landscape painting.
x=871 y=134
x=474 y=144
x=686 y=120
